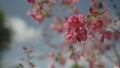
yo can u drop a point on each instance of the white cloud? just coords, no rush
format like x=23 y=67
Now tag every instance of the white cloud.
x=21 y=31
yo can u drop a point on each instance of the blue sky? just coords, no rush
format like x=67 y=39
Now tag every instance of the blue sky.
x=28 y=33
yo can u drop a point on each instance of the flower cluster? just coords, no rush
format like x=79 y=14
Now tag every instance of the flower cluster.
x=39 y=10
x=75 y=28
x=90 y=30
x=35 y=15
x=42 y=8
x=78 y=28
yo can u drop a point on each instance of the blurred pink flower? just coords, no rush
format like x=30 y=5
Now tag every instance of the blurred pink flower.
x=97 y=24
x=35 y=14
x=51 y=53
x=51 y=64
x=57 y=25
x=31 y=1
x=70 y=1
x=107 y=35
x=116 y=66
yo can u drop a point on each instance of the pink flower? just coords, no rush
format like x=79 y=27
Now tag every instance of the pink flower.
x=115 y=66
x=57 y=25
x=102 y=38
x=66 y=18
x=35 y=14
x=51 y=65
x=38 y=17
x=57 y=28
x=71 y=38
x=107 y=35
x=51 y=53
x=52 y=1
x=75 y=1
x=74 y=21
x=81 y=33
x=31 y=1
x=97 y=24
x=80 y=55
x=70 y=1
x=37 y=5
x=75 y=28
x=91 y=34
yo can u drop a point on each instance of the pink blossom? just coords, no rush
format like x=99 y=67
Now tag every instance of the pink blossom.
x=70 y=38
x=102 y=38
x=53 y=1
x=116 y=66
x=97 y=24
x=35 y=14
x=37 y=5
x=51 y=65
x=75 y=1
x=70 y=1
x=107 y=35
x=74 y=21
x=81 y=33
x=51 y=53
x=80 y=55
x=31 y=1
x=57 y=25
x=75 y=28
x=66 y=18
x=57 y=28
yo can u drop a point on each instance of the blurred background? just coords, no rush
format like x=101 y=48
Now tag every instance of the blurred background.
x=17 y=29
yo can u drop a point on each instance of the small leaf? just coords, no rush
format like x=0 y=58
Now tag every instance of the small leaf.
x=90 y=17
x=75 y=66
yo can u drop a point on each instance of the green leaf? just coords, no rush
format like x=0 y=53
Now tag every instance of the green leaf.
x=75 y=66
x=90 y=17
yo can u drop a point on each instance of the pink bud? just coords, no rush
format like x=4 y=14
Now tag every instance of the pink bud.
x=51 y=53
